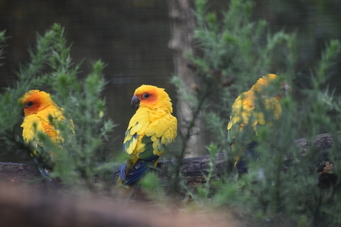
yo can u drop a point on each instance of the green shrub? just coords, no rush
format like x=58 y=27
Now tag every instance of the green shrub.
x=282 y=186
x=84 y=155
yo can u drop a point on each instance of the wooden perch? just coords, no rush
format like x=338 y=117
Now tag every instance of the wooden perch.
x=19 y=173
x=193 y=169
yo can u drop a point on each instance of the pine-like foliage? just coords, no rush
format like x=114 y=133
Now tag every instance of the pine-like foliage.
x=84 y=157
x=232 y=52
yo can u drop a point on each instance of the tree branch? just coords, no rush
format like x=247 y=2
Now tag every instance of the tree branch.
x=193 y=170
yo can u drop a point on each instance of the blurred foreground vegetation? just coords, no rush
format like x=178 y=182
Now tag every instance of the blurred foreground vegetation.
x=232 y=52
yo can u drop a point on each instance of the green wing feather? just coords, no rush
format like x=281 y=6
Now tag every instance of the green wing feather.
x=148 y=148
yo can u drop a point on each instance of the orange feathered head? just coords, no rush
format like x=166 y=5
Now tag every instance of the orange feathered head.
x=263 y=82
x=34 y=101
x=268 y=79
x=151 y=97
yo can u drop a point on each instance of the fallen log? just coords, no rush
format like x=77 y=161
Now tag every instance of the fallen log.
x=193 y=170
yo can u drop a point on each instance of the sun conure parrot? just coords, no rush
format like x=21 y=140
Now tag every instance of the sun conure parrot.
x=247 y=116
x=39 y=111
x=149 y=131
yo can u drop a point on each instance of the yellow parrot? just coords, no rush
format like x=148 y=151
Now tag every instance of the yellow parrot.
x=39 y=110
x=245 y=118
x=150 y=129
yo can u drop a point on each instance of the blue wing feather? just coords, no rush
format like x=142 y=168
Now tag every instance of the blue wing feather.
x=123 y=172
x=251 y=154
x=43 y=172
x=138 y=170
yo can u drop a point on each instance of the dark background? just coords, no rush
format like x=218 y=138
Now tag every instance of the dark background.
x=131 y=36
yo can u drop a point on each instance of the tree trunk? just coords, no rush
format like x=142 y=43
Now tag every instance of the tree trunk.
x=182 y=25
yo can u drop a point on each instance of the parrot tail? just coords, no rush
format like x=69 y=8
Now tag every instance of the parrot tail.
x=137 y=171
x=241 y=164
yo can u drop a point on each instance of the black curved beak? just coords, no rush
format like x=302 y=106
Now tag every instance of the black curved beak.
x=135 y=102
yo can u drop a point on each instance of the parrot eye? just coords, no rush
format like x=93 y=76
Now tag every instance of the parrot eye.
x=145 y=96
x=29 y=104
